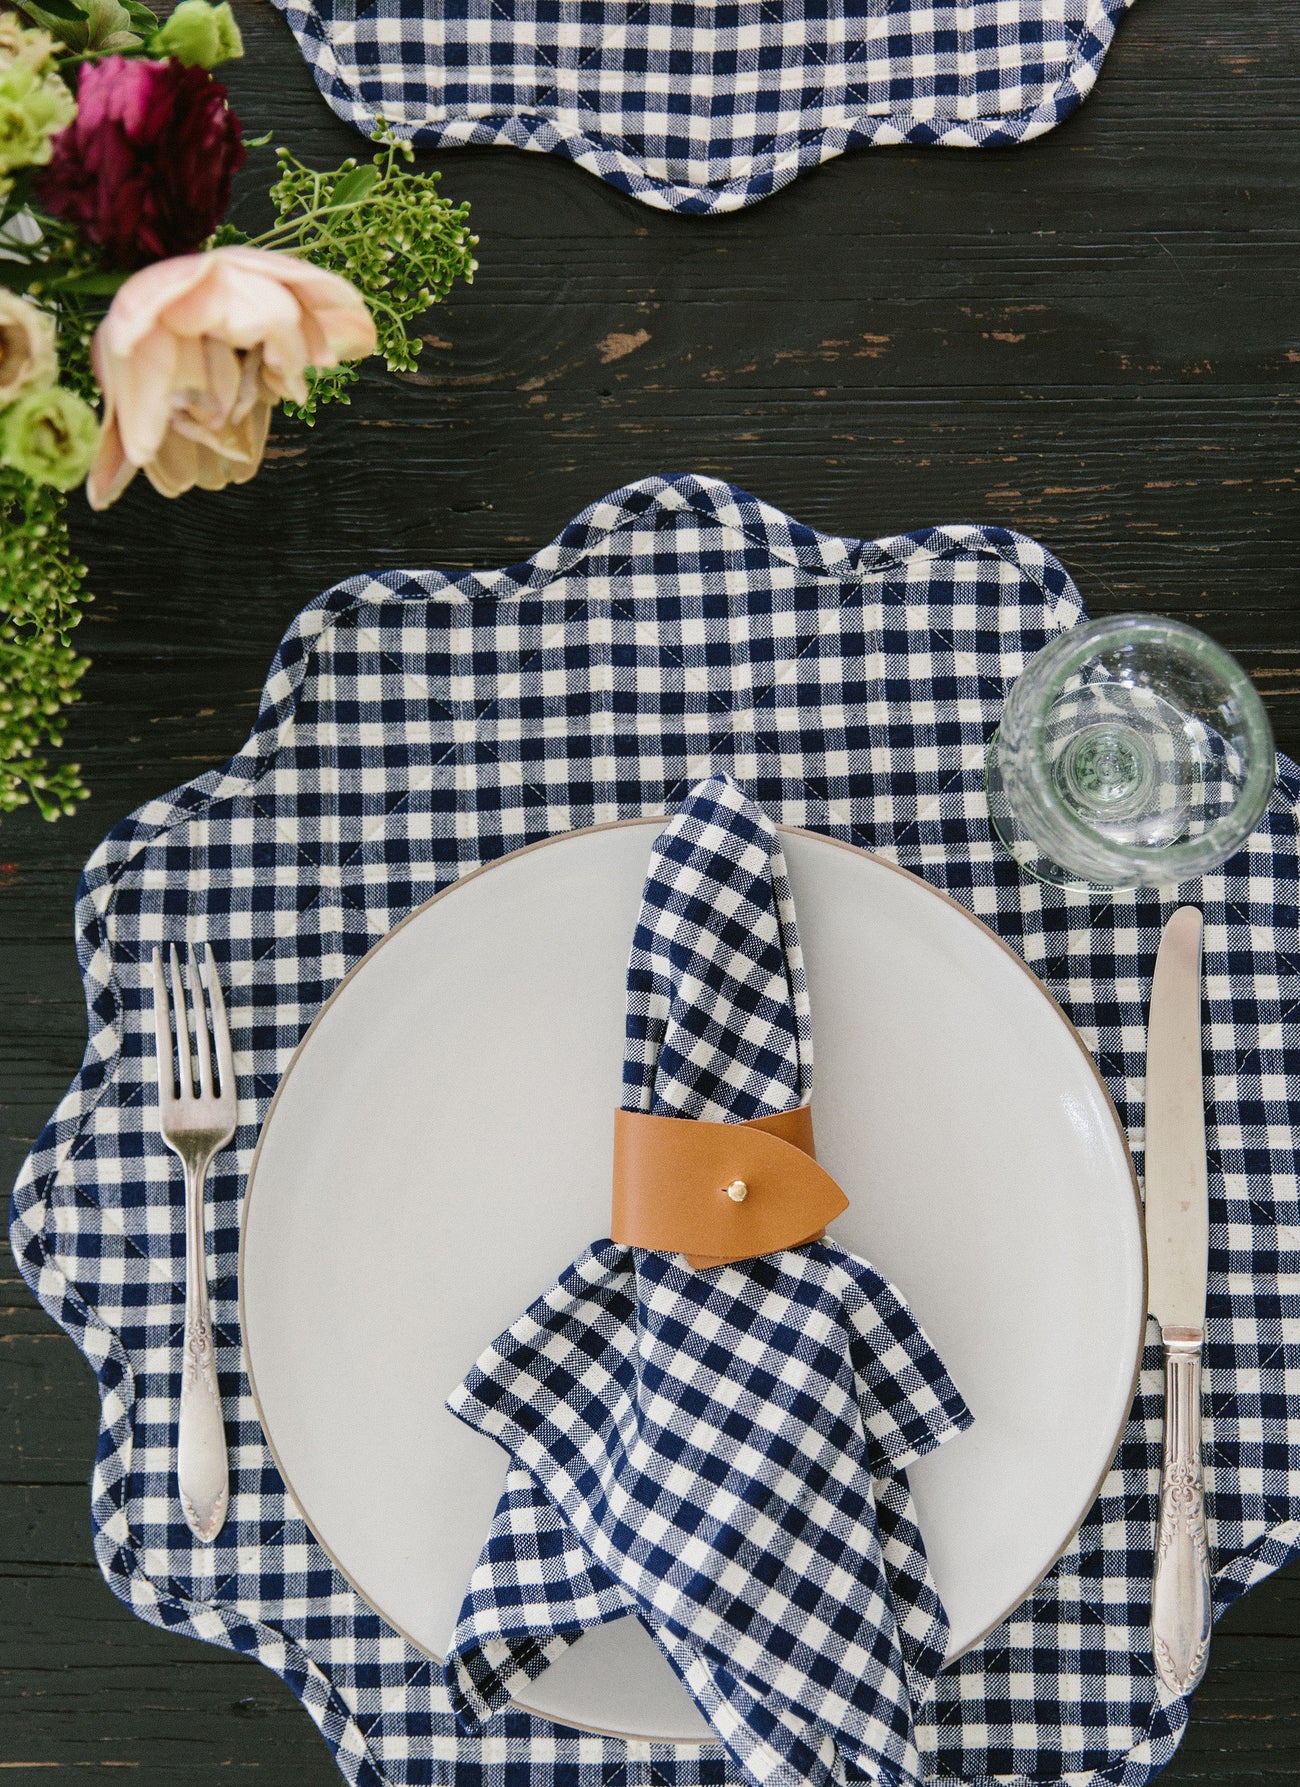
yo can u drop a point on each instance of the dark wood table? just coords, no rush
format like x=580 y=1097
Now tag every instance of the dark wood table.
x=1093 y=338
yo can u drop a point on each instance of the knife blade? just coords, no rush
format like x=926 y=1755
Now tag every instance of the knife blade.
x=1177 y=1234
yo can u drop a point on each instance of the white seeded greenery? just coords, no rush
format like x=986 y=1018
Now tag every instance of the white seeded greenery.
x=384 y=226
x=40 y=603
x=380 y=223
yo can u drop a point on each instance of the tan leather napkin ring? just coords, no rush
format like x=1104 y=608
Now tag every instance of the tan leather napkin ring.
x=719 y=1192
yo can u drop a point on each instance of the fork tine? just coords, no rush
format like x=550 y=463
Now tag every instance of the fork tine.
x=198 y=1012
x=184 y=1059
x=164 y=1051
x=220 y=1024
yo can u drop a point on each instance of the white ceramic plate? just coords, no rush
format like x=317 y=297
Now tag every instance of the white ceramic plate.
x=440 y=1149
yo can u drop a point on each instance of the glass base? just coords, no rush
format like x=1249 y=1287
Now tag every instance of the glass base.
x=1029 y=856
x=1131 y=753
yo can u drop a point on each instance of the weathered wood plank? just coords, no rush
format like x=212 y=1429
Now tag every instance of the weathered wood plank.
x=102 y=1692
x=1175 y=517
x=1092 y=338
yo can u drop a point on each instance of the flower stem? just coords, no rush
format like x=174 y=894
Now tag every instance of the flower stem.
x=294 y=226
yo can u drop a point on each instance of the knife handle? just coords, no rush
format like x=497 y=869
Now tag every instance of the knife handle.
x=1180 y=1595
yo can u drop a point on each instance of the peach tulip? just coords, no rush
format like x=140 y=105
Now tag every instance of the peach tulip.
x=196 y=351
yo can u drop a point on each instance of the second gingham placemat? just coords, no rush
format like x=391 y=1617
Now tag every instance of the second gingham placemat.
x=416 y=725
x=710 y=106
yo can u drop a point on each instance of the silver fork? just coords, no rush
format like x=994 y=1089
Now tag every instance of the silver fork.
x=196 y=1121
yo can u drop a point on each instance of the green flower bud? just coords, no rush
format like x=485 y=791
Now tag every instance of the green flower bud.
x=34 y=106
x=50 y=435
x=200 y=35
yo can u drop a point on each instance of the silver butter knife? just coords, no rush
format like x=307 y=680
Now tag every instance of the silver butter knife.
x=1177 y=1229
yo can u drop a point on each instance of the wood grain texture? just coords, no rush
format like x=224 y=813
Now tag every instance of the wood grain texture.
x=1093 y=337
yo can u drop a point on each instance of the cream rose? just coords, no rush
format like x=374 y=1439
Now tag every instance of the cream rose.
x=196 y=351
x=20 y=43
x=27 y=354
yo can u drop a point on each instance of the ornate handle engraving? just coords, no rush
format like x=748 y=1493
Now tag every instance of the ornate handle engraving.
x=200 y=1360
x=1180 y=1597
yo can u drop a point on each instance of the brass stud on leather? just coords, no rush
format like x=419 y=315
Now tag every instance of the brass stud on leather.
x=738 y=1191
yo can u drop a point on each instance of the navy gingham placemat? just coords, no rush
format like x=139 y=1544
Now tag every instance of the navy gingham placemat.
x=705 y=105
x=416 y=725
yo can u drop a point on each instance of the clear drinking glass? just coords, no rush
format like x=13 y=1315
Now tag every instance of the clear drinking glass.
x=1132 y=752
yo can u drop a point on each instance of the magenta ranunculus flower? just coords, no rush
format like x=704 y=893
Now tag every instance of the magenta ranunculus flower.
x=144 y=169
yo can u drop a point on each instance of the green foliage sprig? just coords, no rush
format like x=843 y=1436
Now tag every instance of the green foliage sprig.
x=383 y=226
x=195 y=32
x=41 y=599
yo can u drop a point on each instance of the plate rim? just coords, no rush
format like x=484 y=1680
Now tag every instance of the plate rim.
x=658 y=820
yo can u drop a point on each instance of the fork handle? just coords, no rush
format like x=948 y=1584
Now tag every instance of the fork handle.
x=202 y=1473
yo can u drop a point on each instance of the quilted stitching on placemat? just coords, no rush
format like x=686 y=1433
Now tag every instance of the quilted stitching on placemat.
x=705 y=105
x=416 y=725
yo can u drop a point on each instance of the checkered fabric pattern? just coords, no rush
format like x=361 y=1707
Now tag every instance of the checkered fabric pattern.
x=701 y=107
x=718 y=1024
x=416 y=725
x=531 y=1553
x=710 y=1438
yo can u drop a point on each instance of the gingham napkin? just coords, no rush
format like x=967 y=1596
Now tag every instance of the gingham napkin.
x=719 y=1452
